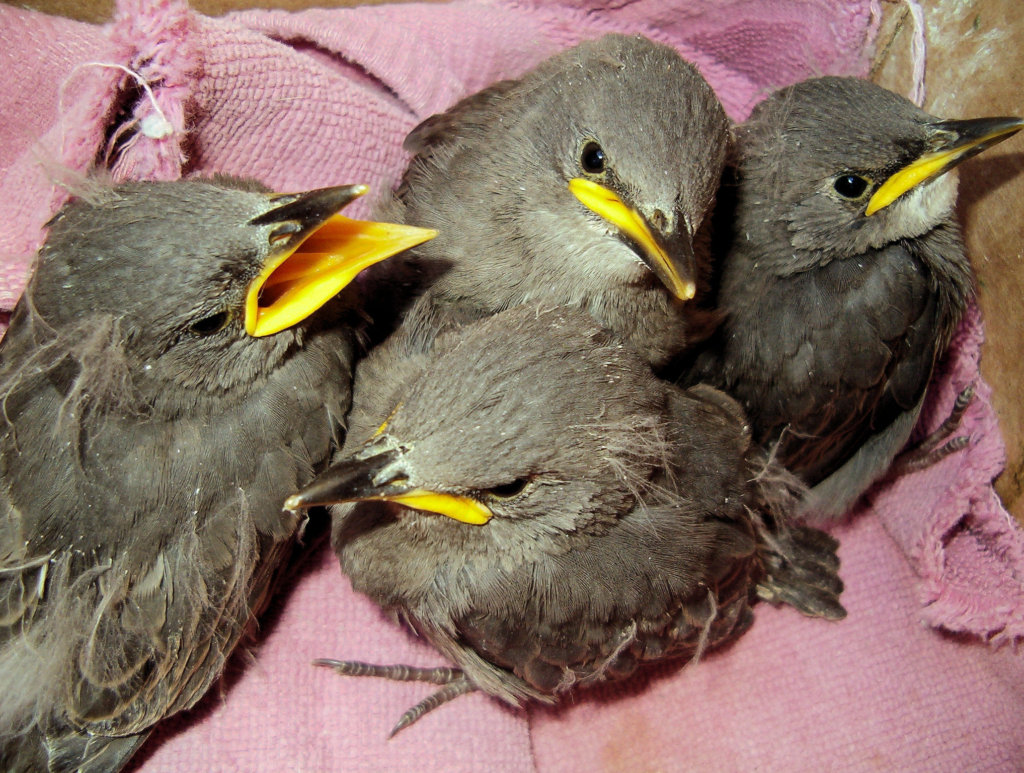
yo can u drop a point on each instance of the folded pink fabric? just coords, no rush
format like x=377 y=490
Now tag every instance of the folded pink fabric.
x=934 y=566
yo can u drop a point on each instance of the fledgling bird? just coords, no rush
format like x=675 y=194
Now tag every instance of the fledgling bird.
x=582 y=183
x=598 y=517
x=163 y=388
x=844 y=278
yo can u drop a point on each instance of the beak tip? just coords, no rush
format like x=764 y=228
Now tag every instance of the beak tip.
x=294 y=503
x=674 y=272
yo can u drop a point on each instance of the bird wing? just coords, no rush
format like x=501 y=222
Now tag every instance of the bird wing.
x=869 y=364
x=823 y=360
x=662 y=583
x=134 y=551
x=438 y=133
x=42 y=618
x=669 y=578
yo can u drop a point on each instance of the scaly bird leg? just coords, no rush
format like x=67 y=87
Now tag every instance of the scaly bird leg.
x=931 y=450
x=455 y=683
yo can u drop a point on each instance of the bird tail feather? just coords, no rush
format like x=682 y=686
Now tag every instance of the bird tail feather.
x=802 y=570
x=84 y=753
x=801 y=566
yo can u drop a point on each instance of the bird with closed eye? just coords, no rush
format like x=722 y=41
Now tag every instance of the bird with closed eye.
x=548 y=514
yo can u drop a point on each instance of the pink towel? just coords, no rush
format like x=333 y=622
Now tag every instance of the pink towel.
x=934 y=567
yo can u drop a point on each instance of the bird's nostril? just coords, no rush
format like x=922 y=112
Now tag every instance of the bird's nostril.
x=658 y=220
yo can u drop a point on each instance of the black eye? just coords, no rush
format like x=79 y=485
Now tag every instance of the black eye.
x=850 y=186
x=509 y=490
x=592 y=159
x=211 y=324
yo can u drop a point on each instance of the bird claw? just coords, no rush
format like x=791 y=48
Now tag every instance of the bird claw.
x=454 y=683
x=459 y=686
x=934 y=448
x=802 y=570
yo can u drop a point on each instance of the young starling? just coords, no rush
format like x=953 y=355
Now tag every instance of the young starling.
x=844 y=277
x=162 y=391
x=597 y=516
x=581 y=184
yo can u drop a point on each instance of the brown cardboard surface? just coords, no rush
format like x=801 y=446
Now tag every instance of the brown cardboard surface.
x=974 y=63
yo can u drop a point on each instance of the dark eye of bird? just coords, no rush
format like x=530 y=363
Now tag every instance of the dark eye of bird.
x=509 y=490
x=211 y=324
x=850 y=186
x=592 y=159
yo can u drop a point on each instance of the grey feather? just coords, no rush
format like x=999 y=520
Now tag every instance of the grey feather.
x=144 y=455
x=492 y=175
x=834 y=318
x=632 y=520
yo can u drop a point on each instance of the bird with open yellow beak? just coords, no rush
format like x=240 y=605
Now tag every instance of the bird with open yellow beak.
x=180 y=361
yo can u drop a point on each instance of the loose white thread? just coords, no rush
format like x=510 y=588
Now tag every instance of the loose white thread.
x=155 y=125
x=918 y=52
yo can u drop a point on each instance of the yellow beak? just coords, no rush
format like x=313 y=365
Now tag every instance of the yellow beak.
x=460 y=508
x=677 y=275
x=355 y=480
x=321 y=261
x=968 y=139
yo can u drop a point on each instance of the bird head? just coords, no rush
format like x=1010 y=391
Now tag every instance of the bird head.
x=527 y=417
x=847 y=166
x=592 y=171
x=209 y=281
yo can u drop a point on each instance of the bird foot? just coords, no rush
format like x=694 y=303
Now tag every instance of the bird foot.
x=454 y=683
x=934 y=448
x=450 y=691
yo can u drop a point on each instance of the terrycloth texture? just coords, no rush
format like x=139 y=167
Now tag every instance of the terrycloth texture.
x=325 y=97
x=967 y=550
